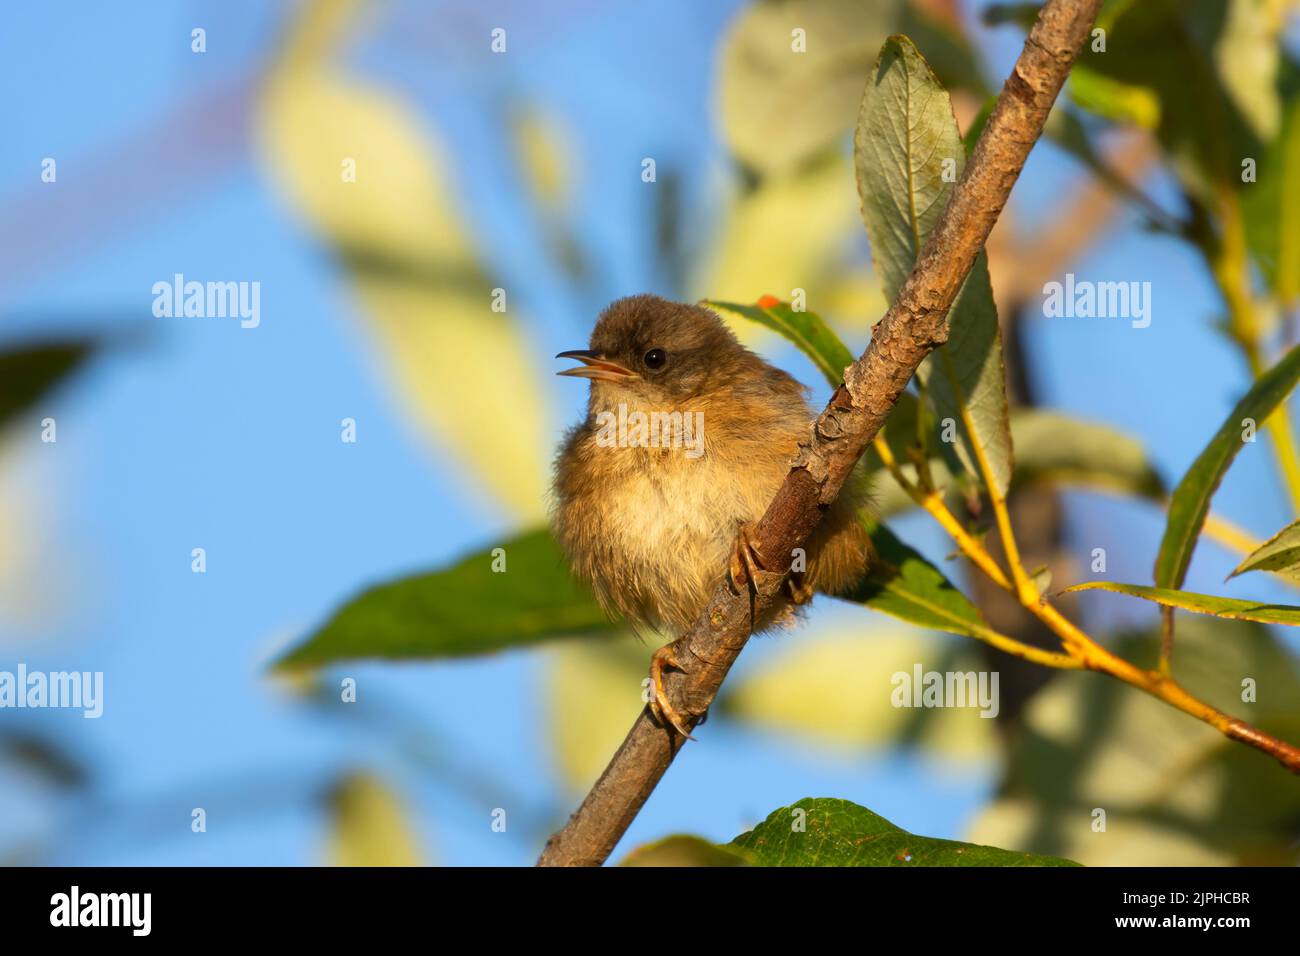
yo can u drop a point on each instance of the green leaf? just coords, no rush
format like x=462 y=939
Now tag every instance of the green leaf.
x=1055 y=447
x=461 y=610
x=685 y=850
x=805 y=329
x=903 y=584
x=1280 y=554
x=1191 y=499
x=1230 y=608
x=1116 y=101
x=908 y=154
x=30 y=371
x=827 y=832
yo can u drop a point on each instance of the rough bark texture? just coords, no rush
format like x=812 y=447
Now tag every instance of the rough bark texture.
x=913 y=327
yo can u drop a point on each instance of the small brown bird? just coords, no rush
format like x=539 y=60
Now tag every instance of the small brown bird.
x=687 y=438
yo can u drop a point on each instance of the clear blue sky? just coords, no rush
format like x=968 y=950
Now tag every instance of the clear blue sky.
x=198 y=433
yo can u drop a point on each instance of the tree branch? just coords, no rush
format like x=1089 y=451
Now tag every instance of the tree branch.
x=912 y=328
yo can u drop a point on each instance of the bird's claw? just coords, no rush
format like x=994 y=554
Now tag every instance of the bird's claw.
x=660 y=706
x=746 y=561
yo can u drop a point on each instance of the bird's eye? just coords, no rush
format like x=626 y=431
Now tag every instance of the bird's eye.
x=655 y=358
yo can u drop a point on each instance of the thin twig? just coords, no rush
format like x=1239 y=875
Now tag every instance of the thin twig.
x=914 y=326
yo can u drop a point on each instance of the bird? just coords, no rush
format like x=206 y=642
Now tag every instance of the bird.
x=657 y=491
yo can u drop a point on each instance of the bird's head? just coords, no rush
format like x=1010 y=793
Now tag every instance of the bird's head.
x=648 y=350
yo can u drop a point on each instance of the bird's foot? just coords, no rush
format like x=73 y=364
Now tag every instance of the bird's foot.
x=660 y=706
x=746 y=560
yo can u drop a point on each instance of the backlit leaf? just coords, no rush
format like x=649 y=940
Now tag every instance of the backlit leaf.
x=1231 y=608
x=1190 y=502
x=908 y=153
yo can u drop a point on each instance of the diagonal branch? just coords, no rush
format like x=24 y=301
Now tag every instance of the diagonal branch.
x=912 y=328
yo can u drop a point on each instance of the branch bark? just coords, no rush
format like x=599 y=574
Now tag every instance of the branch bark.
x=912 y=328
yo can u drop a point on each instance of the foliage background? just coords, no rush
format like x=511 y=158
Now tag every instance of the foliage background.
x=520 y=170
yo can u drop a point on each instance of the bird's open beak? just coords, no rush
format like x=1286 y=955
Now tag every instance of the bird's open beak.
x=594 y=366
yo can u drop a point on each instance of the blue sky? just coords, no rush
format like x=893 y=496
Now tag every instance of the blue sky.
x=198 y=432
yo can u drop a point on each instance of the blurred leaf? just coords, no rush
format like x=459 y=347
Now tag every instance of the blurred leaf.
x=780 y=107
x=908 y=153
x=545 y=157
x=685 y=850
x=1280 y=553
x=788 y=232
x=1271 y=207
x=841 y=833
x=1023 y=14
x=592 y=695
x=1175 y=792
x=1190 y=502
x=1116 y=101
x=837 y=690
x=805 y=329
x=414 y=268
x=1231 y=608
x=465 y=609
x=44 y=757
x=29 y=371
x=1246 y=59
x=370 y=826
x=1054 y=447
x=777 y=106
x=903 y=584
x=1177 y=66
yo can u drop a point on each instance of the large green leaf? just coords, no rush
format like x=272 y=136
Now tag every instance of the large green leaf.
x=1191 y=499
x=827 y=832
x=28 y=372
x=908 y=154
x=1106 y=775
x=461 y=610
x=1231 y=608
x=1280 y=554
x=905 y=585
x=1055 y=447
